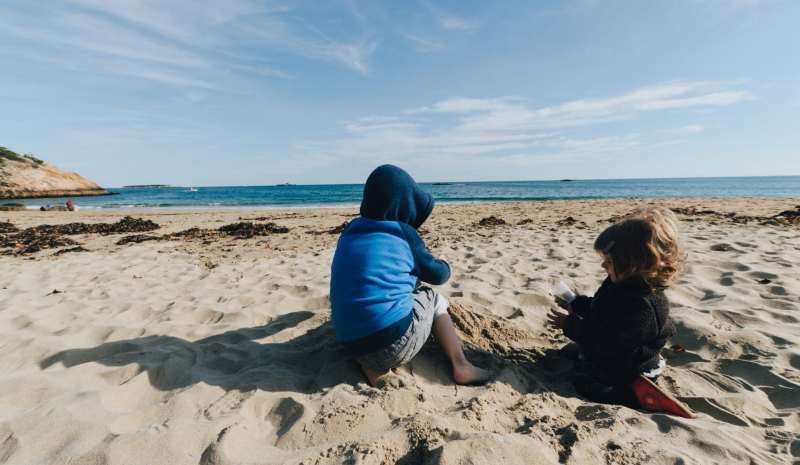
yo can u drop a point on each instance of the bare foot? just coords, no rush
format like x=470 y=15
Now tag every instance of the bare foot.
x=375 y=376
x=468 y=373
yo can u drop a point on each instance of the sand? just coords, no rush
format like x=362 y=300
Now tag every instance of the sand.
x=221 y=351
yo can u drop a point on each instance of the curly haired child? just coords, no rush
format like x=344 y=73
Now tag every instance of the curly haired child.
x=619 y=333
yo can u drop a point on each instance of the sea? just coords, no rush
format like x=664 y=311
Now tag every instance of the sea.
x=339 y=195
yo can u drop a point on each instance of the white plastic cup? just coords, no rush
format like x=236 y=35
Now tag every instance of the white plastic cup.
x=563 y=292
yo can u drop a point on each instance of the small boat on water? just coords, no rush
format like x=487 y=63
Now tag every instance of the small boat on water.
x=191 y=189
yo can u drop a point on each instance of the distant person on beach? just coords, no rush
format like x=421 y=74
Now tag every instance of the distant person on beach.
x=70 y=207
x=378 y=314
x=619 y=333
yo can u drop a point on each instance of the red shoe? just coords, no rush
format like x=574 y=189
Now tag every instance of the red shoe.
x=654 y=399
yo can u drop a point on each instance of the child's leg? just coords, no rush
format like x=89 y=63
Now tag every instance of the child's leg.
x=374 y=375
x=463 y=371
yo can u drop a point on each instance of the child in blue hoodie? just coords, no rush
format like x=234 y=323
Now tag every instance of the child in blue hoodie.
x=378 y=314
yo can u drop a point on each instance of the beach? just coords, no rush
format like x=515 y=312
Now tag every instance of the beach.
x=216 y=347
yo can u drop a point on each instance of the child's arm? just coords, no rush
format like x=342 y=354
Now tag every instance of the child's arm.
x=580 y=306
x=632 y=325
x=427 y=268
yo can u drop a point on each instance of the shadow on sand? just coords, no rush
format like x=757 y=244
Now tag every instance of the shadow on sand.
x=233 y=360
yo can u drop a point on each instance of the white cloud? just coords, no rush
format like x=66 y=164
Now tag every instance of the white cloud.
x=468 y=105
x=449 y=21
x=510 y=113
x=424 y=45
x=454 y=23
x=689 y=129
x=83 y=33
x=195 y=43
x=488 y=132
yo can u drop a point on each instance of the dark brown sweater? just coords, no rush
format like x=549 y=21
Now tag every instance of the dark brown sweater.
x=622 y=328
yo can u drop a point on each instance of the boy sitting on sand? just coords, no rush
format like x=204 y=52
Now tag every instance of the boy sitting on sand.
x=378 y=315
x=619 y=333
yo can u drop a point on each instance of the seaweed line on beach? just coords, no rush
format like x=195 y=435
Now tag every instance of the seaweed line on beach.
x=241 y=230
x=49 y=236
x=784 y=218
x=336 y=230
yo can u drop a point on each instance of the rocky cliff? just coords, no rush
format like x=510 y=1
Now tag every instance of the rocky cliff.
x=24 y=176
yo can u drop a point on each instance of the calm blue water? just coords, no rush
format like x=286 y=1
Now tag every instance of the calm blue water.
x=350 y=194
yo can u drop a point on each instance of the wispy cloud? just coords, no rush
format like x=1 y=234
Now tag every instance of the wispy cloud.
x=504 y=131
x=181 y=42
x=511 y=113
x=449 y=21
x=452 y=22
x=84 y=33
x=424 y=45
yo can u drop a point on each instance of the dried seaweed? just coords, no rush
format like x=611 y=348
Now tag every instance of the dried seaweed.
x=570 y=221
x=248 y=230
x=337 y=230
x=784 y=218
x=196 y=233
x=7 y=228
x=138 y=239
x=125 y=225
x=32 y=240
x=73 y=249
x=613 y=219
x=525 y=221
x=492 y=221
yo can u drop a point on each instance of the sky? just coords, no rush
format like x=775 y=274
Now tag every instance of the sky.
x=246 y=92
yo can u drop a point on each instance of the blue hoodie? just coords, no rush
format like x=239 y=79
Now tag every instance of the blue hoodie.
x=378 y=260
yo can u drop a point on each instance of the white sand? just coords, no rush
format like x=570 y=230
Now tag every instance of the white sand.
x=182 y=352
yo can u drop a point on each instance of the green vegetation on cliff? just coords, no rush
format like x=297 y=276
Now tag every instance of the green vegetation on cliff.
x=6 y=154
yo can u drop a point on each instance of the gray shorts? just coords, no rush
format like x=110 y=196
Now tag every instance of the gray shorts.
x=429 y=305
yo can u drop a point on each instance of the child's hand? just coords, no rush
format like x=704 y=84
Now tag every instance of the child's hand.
x=562 y=303
x=556 y=318
x=442 y=257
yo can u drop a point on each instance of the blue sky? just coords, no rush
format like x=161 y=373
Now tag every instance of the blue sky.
x=201 y=93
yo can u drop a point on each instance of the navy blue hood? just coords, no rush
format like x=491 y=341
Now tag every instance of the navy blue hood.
x=391 y=194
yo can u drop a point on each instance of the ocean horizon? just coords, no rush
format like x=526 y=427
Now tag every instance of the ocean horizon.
x=347 y=195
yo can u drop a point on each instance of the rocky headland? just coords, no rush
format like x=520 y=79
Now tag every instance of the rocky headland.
x=24 y=176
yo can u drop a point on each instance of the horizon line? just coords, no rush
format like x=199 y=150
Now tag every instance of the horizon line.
x=173 y=186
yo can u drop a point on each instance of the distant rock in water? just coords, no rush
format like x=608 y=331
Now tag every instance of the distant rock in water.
x=286 y=184
x=443 y=184
x=24 y=176
x=568 y=180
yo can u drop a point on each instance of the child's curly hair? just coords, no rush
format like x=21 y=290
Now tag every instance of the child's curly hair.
x=645 y=245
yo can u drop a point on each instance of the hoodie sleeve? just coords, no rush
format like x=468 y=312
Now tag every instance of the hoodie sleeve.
x=582 y=305
x=426 y=267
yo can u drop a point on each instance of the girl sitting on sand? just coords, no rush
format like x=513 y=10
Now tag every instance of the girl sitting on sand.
x=619 y=333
